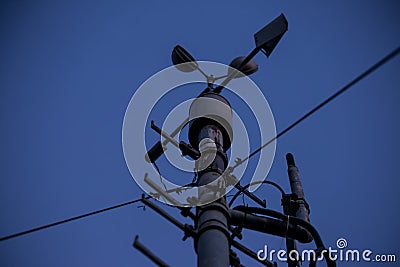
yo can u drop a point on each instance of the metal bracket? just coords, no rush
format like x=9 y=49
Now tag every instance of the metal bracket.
x=291 y=203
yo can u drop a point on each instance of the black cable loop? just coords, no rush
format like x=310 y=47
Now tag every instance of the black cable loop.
x=250 y=184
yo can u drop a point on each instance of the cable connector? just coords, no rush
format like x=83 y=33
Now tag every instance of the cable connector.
x=189 y=231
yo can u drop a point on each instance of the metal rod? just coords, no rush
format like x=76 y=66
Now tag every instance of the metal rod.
x=297 y=188
x=260 y=202
x=164 y=134
x=163 y=214
x=236 y=71
x=291 y=244
x=177 y=130
x=161 y=191
x=172 y=190
x=202 y=72
x=139 y=246
x=158 y=148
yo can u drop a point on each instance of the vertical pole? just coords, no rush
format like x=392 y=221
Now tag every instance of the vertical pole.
x=297 y=188
x=302 y=211
x=212 y=220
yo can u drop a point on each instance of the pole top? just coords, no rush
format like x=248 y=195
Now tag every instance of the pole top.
x=290 y=160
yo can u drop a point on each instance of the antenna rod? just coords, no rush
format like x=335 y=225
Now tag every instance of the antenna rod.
x=301 y=209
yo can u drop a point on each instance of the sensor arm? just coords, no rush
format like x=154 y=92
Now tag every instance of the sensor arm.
x=267 y=38
x=237 y=70
x=158 y=149
x=186 y=149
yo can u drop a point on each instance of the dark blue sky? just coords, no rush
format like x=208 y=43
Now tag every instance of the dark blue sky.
x=69 y=68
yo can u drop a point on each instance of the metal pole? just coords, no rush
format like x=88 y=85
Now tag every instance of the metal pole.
x=297 y=188
x=302 y=211
x=213 y=239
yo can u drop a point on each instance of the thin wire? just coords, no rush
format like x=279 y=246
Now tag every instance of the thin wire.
x=353 y=82
x=69 y=220
x=329 y=99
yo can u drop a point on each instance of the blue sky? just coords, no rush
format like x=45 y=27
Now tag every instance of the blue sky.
x=69 y=68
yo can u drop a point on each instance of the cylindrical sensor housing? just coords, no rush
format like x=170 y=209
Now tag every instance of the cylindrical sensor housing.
x=210 y=109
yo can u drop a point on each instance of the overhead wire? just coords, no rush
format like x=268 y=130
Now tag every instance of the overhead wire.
x=239 y=162
x=69 y=219
x=367 y=72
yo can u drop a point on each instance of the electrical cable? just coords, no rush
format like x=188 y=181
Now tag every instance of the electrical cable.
x=370 y=70
x=306 y=225
x=69 y=220
x=239 y=162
